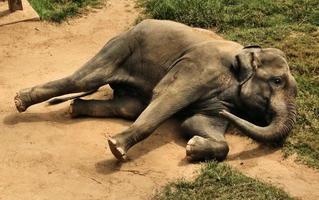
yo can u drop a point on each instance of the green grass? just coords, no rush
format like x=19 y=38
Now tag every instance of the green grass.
x=59 y=10
x=219 y=181
x=291 y=25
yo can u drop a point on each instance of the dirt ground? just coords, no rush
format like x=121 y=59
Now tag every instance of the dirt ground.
x=46 y=155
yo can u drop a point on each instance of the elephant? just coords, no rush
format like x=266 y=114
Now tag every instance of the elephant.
x=160 y=69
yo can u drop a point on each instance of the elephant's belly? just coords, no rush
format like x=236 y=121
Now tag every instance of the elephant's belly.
x=127 y=89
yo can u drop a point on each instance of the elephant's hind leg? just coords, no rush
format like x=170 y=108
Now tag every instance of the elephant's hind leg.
x=71 y=84
x=208 y=140
x=123 y=107
x=95 y=73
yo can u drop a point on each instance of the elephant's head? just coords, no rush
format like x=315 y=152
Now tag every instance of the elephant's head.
x=266 y=88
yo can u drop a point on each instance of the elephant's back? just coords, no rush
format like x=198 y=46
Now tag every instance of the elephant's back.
x=157 y=44
x=170 y=35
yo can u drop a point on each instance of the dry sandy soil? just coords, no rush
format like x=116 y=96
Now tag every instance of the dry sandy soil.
x=46 y=155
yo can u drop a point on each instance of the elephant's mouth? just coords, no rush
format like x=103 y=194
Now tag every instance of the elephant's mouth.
x=260 y=114
x=253 y=106
x=257 y=111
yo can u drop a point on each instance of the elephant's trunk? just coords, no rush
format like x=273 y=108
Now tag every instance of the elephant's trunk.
x=283 y=120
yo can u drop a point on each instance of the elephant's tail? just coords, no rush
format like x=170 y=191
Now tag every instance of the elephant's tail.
x=58 y=100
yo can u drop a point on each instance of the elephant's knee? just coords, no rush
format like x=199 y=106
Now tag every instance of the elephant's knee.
x=128 y=113
x=76 y=108
x=188 y=127
x=130 y=109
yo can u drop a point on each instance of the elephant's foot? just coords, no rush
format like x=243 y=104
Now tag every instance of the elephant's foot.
x=200 y=149
x=116 y=149
x=22 y=101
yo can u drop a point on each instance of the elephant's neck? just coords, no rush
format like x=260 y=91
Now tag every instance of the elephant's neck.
x=230 y=97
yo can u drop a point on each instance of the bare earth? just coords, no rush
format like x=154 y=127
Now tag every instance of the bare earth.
x=27 y=14
x=46 y=155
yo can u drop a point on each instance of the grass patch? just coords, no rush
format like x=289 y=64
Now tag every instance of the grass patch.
x=59 y=10
x=291 y=25
x=227 y=14
x=219 y=181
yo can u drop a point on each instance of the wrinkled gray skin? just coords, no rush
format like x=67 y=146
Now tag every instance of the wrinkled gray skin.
x=159 y=69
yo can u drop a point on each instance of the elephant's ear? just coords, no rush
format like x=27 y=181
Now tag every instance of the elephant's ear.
x=246 y=62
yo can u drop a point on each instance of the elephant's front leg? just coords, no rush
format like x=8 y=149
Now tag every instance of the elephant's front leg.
x=208 y=140
x=175 y=91
x=155 y=113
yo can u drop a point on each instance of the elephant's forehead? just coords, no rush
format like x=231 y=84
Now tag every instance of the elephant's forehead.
x=274 y=63
x=273 y=69
x=268 y=73
x=273 y=59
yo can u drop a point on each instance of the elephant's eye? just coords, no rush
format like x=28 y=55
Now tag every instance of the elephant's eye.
x=276 y=80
